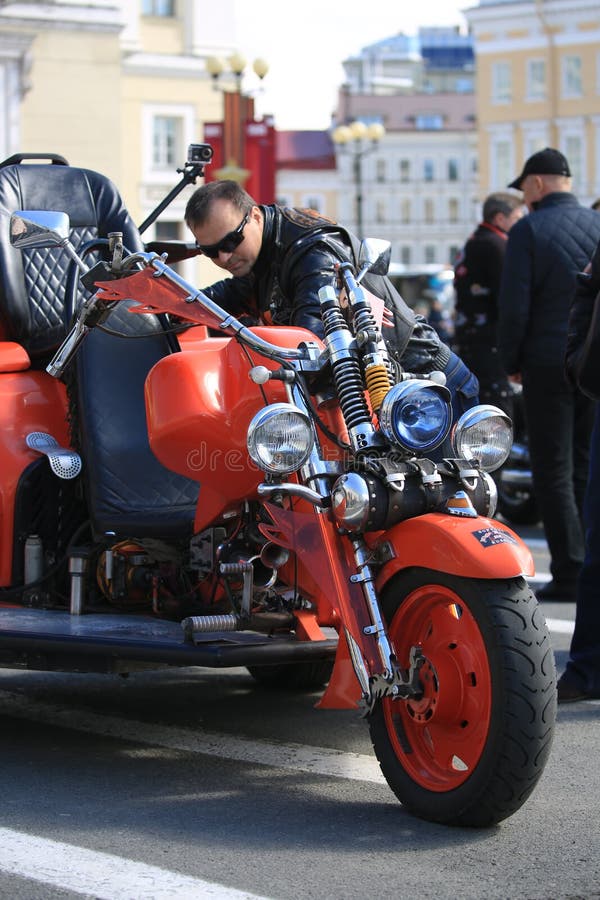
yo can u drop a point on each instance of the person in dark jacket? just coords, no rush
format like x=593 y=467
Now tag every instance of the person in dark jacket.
x=581 y=678
x=545 y=251
x=280 y=257
x=477 y=274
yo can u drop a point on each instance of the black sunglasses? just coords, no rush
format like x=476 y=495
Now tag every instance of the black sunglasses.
x=226 y=244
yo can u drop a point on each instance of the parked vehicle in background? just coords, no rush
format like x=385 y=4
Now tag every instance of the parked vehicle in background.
x=429 y=290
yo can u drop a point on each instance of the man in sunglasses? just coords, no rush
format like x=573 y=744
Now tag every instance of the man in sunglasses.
x=280 y=257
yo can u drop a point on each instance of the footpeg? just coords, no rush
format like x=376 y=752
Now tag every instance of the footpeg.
x=64 y=463
x=205 y=624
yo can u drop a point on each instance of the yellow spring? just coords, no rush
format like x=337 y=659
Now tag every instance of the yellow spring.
x=378 y=384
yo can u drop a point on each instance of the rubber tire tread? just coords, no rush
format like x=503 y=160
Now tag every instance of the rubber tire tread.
x=523 y=704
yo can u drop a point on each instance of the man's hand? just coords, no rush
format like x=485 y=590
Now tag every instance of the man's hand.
x=387 y=320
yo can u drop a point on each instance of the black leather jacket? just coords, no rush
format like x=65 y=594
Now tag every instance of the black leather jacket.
x=298 y=254
x=544 y=252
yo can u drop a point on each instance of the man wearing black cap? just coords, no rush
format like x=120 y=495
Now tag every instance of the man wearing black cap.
x=544 y=252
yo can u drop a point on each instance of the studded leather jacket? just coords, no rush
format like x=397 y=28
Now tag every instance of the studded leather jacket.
x=298 y=254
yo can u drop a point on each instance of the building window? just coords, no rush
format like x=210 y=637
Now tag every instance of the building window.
x=502 y=162
x=313 y=201
x=405 y=211
x=571 y=76
x=405 y=255
x=428 y=211
x=404 y=170
x=430 y=254
x=429 y=122
x=168 y=231
x=573 y=149
x=380 y=170
x=534 y=142
x=428 y=170
x=452 y=170
x=501 y=82
x=380 y=216
x=536 y=79
x=166 y=132
x=453 y=210
x=158 y=7
x=453 y=252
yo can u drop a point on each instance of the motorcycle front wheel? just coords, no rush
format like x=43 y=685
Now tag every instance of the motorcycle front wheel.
x=472 y=747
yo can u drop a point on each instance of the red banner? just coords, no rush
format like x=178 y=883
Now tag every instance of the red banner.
x=258 y=157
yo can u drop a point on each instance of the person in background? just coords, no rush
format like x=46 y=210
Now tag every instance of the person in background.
x=581 y=678
x=544 y=252
x=280 y=257
x=477 y=274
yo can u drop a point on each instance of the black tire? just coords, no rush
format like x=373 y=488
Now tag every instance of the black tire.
x=299 y=676
x=472 y=750
x=516 y=506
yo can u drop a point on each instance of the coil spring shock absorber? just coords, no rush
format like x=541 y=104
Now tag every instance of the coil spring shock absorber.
x=346 y=369
x=378 y=383
x=377 y=366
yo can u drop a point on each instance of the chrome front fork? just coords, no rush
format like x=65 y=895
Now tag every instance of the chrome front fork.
x=392 y=681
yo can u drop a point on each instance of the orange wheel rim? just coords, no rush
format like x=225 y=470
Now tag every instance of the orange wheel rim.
x=440 y=737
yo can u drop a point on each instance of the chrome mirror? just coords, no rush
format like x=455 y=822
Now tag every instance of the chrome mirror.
x=38 y=228
x=374 y=256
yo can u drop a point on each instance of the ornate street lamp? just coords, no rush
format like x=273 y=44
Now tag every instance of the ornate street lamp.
x=358 y=139
x=238 y=107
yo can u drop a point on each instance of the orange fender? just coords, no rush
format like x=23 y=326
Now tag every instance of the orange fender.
x=471 y=548
x=30 y=400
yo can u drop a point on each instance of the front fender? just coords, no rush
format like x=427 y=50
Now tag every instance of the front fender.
x=471 y=548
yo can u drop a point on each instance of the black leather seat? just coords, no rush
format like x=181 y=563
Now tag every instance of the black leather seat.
x=128 y=490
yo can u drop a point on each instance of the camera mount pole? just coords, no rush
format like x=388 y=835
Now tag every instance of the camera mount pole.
x=190 y=172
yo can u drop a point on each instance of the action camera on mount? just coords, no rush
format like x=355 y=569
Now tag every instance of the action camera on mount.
x=199 y=153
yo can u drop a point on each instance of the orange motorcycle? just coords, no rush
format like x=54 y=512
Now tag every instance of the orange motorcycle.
x=181 y=489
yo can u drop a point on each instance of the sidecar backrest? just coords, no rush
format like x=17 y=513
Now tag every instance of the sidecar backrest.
x=32 y=282
x=128 y=490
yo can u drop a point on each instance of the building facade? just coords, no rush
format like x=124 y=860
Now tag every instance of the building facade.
x=538 y=85
x=119 y=86
x=418 y=186
x=306 y=171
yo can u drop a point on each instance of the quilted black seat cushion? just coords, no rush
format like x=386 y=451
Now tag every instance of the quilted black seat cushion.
x=131 y=492
x=127 y=489
x=32 y=282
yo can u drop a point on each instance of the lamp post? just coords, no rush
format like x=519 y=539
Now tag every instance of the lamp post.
x=358 y=139
x=238 y=107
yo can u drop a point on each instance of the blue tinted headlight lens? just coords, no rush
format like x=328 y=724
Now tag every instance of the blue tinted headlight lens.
x=416 y=415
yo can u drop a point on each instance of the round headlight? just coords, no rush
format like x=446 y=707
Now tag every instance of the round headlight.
x=280 y=438
x=483 y=433
x=416 y=415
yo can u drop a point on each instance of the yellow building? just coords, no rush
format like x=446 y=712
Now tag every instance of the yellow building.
x=538 y=85
x=119 y=86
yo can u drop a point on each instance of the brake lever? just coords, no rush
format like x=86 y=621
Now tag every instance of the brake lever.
x=92 y=312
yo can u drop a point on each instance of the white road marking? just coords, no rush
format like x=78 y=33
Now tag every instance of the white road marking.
x=105 y=876
x=560 y=626
x=298 y=757
x=101 y=875
x=540 y=578
x=537 y=543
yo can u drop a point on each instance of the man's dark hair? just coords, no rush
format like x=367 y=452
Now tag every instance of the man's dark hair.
x=500 y=202
x=201 y=202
